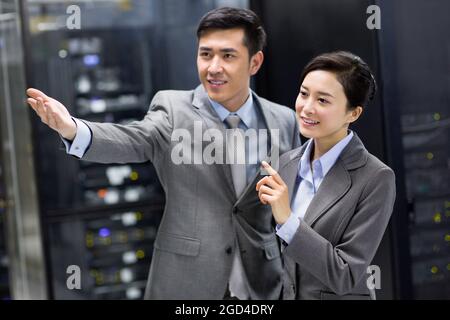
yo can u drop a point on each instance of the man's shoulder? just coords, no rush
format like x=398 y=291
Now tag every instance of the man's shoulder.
x=177 y=95
x=173 y=101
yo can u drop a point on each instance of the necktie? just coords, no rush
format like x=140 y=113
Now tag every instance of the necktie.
x=236 y=159
x=236 y=153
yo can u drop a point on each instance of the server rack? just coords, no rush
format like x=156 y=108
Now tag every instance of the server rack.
x=4 y=262
x=20 y=222
x=100 y=218
x=5 y=16
x=416 y=72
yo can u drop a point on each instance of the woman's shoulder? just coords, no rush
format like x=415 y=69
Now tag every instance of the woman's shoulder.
x=356 y=157
x=375 y=172
x=375 y=164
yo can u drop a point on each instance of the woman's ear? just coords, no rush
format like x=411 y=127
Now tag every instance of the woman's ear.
x=355 y=114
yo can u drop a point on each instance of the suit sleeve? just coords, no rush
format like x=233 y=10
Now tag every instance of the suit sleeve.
x=138 y=141
x=341 y=267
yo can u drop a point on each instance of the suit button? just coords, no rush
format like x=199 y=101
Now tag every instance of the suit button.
x=229 y=250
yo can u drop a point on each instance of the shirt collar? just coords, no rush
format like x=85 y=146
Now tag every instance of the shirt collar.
x=325 y=162
x=245 y=112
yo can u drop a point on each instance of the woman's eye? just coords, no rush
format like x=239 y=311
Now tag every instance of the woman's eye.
x=303 y=93
x=323 y=101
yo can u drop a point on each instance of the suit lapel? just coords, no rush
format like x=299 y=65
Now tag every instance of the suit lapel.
x=202 y=105
x=212 y=120
x=271 y=123
x=334 y=186
x=338 y=181
x=289 y=172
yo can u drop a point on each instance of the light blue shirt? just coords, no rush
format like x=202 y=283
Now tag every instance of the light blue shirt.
x=311 y=178
x=81 y=141
x=247 y=113
x=251 y=119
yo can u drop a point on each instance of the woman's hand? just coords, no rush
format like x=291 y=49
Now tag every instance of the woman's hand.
x=272 y=190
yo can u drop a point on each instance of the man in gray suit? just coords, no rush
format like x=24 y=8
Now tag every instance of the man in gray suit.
x=216 y=239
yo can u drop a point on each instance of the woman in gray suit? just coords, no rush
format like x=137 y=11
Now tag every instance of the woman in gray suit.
x=331 y=198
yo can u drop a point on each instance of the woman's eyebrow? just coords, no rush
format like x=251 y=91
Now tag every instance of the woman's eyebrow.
x=322 y=93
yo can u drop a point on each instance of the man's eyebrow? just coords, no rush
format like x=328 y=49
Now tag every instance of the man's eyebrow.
x=225 y=50
x=322 y=93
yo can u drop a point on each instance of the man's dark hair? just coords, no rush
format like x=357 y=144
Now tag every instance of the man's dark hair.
x=351 y=72
x=230 y=18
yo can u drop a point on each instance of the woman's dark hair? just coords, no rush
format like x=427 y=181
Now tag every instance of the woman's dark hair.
x=230 y=18
x=351 y=72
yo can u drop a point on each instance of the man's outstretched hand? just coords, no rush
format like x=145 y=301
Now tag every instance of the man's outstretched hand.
x=53 y=113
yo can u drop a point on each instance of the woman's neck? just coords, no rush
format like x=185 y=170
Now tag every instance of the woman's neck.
x=323 y=145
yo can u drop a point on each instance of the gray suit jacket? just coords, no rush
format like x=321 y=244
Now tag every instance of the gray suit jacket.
x=194 y=247
x=342 y=227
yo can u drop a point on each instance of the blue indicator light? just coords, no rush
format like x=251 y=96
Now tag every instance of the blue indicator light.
x=104 y=232
x=91 y=60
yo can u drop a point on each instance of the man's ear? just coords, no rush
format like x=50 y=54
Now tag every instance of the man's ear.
x=355 y=114
x=256 y=62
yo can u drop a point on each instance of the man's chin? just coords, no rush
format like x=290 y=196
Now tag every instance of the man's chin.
x=214 y=96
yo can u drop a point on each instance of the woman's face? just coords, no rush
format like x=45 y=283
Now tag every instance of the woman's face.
x=321 y=108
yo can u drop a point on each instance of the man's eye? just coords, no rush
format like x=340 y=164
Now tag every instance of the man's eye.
x=204 y=54
x=228 y=56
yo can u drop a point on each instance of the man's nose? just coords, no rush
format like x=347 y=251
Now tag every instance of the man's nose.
x=215 y=66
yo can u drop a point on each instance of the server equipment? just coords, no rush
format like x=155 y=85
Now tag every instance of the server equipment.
x=4 y=262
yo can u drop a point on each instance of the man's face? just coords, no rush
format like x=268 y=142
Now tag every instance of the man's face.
x=224 y=66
